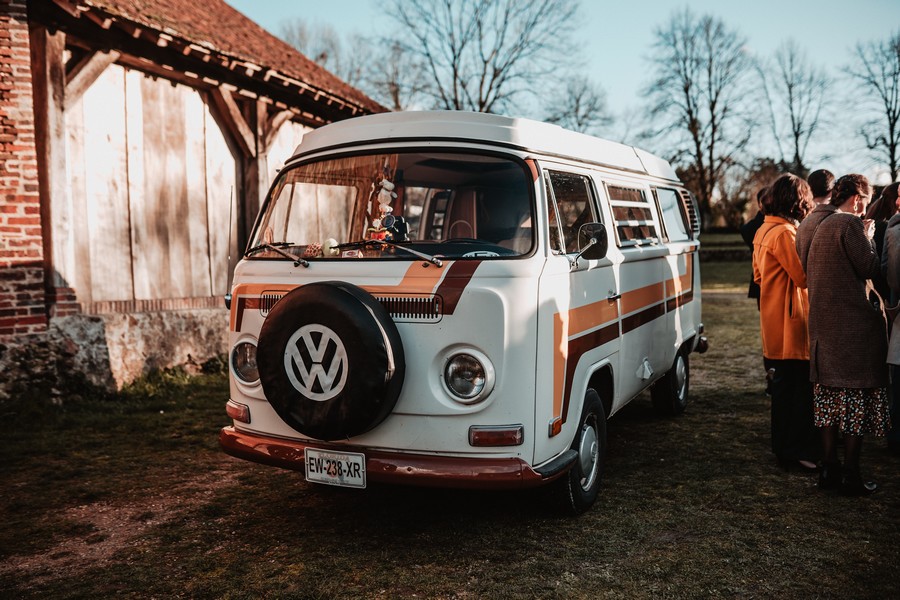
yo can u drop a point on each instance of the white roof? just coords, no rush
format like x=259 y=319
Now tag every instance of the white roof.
x=457 y=126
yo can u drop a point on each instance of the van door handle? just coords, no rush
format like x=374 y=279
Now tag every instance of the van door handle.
x=613 y=296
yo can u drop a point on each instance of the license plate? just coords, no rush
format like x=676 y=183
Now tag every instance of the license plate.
x=345 y=469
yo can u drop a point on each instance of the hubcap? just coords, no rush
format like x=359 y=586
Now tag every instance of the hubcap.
x=681 y=378
x=588 y=451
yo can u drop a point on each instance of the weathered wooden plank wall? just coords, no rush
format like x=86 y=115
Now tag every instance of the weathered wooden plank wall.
x=71 y=250
x=134 y=101
x=106 y=188
x=195 y=179
x=151 y=178
x=221 y=192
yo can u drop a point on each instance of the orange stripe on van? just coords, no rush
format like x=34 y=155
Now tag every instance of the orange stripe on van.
x=584 y=328
x=574 y=333
x=458 y=276
x=250 y=292
x=418 y=279
x=560 y=354
x=642 y=297
x=592 y=315
x=681 y=283
x=450 y=280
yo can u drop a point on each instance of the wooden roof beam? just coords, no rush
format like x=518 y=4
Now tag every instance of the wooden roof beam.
x=233 y=119
x=86 y=71
x=274 y=124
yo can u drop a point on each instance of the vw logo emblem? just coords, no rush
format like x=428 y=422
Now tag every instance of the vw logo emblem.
x=315 y=361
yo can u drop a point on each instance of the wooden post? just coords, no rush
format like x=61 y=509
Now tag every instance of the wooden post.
x=252 y=129
x=57 y=219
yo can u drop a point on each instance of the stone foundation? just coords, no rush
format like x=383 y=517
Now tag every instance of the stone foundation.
x=110 y=351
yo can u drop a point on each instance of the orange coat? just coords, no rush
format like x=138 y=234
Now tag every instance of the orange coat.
x=783 y=300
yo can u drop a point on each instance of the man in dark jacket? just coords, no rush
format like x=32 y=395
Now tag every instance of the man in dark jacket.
x=748 y=232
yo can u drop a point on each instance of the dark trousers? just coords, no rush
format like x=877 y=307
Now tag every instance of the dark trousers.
x=794 y=437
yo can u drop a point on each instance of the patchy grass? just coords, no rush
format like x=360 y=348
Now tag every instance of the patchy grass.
x=130 y=497
x=727 y=239
x=726 y=276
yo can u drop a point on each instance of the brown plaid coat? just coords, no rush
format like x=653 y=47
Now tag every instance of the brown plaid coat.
x=847 y=331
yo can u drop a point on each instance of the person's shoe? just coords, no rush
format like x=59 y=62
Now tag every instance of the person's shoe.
x=853 y=485
x=830 y=476
x=802 y=466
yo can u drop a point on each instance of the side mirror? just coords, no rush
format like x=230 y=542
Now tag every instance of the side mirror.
x=592 y=241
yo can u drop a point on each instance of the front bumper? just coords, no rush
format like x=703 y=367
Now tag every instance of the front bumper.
x=402 y=468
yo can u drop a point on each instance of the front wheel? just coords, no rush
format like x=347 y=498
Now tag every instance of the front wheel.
x=578 y=489
x=670 y=393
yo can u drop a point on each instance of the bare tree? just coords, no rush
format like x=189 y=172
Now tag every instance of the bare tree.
x=395 y=78
x=581 y=106
x=797 y=93
x=737 y=190
x=480 y=54
x=323 y=45
x=876 y=66
x=699 y=92
x=626 y=126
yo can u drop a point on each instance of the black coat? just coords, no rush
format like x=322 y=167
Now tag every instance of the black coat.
x=748 y=232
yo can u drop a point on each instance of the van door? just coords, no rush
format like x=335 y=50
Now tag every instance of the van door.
x=646 y=343
x=578 y=325
x=682 y=313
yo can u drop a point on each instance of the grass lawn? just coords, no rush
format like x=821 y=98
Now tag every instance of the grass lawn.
x=129 y=497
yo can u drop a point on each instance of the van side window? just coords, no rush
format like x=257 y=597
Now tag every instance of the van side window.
x=674 y=219
x=574 y=203
x=634 y=218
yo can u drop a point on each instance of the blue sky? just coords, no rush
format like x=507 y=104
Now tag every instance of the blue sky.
x=617 y=36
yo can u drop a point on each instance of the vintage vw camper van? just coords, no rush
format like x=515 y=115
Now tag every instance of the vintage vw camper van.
x=458 y=299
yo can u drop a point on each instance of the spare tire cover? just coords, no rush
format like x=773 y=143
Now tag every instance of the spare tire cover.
x=330 y=360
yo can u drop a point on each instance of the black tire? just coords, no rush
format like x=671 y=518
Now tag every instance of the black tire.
x=578 y=489
x=330 y=360
x=670 y=393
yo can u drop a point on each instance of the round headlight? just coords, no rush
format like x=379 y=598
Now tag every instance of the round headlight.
x=468 y=377
x=243 y=362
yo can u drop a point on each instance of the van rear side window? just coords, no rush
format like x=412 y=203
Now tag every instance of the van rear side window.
x=672 y=215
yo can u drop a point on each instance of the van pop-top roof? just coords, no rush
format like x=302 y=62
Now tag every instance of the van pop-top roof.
x=483 y=128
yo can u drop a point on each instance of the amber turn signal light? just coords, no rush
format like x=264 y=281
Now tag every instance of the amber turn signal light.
x=496 y=435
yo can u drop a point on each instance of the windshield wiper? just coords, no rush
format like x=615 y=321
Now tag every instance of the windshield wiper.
x=276 y=247
x=362 y=243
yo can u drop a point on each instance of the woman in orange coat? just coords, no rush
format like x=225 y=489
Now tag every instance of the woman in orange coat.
x=783 y=314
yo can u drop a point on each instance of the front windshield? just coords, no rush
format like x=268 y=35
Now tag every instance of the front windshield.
x=446 y=204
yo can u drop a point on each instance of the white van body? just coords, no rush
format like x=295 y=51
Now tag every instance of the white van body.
x=460 y=299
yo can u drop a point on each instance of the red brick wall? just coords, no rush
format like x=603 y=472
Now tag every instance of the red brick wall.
x=22 y=296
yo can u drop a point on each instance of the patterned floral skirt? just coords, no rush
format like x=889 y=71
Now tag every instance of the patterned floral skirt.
x=856 y=411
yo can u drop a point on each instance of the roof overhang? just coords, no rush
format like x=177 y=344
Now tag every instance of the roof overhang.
x=197 y=64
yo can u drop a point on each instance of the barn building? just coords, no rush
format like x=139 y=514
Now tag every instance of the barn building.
x=137 y=138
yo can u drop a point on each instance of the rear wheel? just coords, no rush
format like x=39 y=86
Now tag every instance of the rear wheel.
x=670 y=394
x=578 y=489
